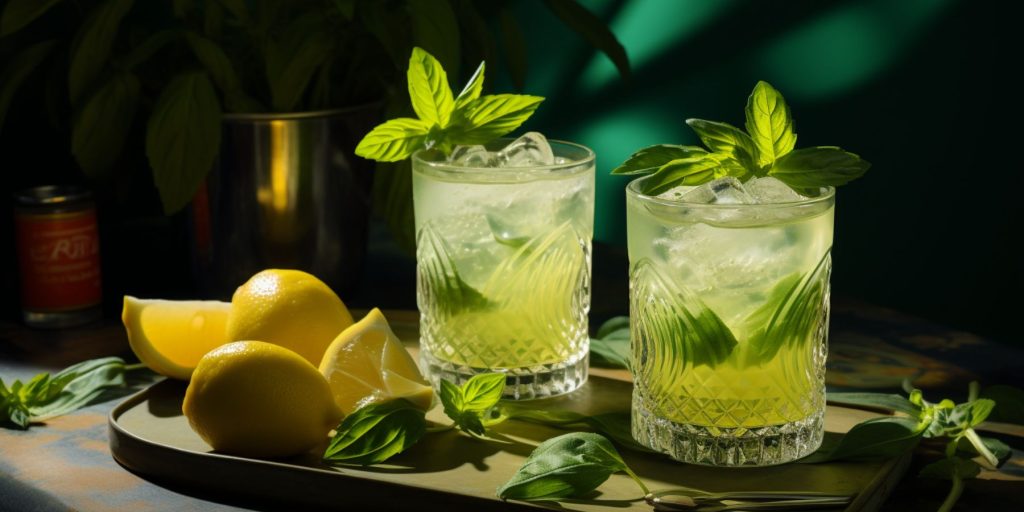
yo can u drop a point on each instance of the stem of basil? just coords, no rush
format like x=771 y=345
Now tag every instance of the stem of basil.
x=133 y=367
x=983 y=450
x=636 y=479
x=954 y=494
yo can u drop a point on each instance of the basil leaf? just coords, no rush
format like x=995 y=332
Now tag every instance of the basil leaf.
x=727 y=140
x=376 y=432
x=183 y=137
x=437 y=271
x=821 y=166
x=18 y=13
x=951 y=468
x=90 y=51
x=570 y=465
x=473 y=88
x=877 y=439
x=593 y=30
x=1009 y=403
x=884 y=401
x=693 y=170
x=394 y=140
x=222 y=71
x=953 y=420
x=489 y=117
x=293 y=59
x=651 y=158
x=611 y=351
x=428 y=89
x=769 y=124
x=102 y=125
x=482 y=391
x=46 y=396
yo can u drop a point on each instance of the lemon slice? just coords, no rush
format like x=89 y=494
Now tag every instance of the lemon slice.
x=171 y=336
x=367 y=363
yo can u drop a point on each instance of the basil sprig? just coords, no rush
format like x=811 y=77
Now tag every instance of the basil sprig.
x=45 y=396
x=765 y=149
x=444 y=120
x=469 y=405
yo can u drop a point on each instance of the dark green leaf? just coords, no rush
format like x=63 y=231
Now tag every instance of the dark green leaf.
x=482 y=391
x=216 y=62
x=1009 y=403
x=394 y=140
x=593 y=30
x=145 y=50
x=374 y=433
x=18 y=70
x=693 y=170
x=818 y=167
x=614 y=425
x=651 y=158
x=613 y=325
x=76 y=387
x=18 y=13
x=347 y=8
x=291 y=63
x=951 y=468
x=726 y=140
x=452 y=295
x=515 y=48
x=435 y=29
x=570 y=465
x=883 y=401
x=769 y=124
x=877 y=438
x=103 y=124
x=237 y=8
x=91 y=49
x=181 y=8
x=473 y=88
x=999 y=449
x=952 y=420
x=183 y=137
x=391 y=31
x=428 y=89
x=489 y=117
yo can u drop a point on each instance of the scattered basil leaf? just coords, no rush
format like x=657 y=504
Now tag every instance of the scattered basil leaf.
x=570 y=465
x=1009 y=403
x=877 y=438
x=821 y=166
x=651 y=158
x=469 y=405
x=376 y=432
x=887 y=402
x=45 y=396
x=769 y=124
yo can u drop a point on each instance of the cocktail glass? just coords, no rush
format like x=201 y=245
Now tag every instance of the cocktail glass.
x=503 y=269
x=729 y=308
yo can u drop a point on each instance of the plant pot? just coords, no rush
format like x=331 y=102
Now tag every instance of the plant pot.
x=287 y=192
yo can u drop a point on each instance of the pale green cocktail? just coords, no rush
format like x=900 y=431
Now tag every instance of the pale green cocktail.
x=729 y=309
x=503 y=265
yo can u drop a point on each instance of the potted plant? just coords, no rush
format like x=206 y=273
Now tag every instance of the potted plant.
x=251 y=109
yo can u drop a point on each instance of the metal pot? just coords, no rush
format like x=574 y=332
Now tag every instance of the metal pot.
x=287 y=192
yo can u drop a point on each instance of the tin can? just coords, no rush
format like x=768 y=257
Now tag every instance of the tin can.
x=58 y=256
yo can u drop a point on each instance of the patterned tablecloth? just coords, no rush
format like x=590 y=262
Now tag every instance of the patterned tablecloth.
x=66 y=464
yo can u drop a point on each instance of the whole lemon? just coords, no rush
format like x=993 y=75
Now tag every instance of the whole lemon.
x=257 y=399
x=289 y=308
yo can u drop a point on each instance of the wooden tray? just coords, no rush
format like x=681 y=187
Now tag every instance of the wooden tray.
x=451 y=471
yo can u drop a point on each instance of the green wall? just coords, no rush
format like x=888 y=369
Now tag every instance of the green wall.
x=918 y=87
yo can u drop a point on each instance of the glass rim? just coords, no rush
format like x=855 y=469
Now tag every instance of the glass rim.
x=633 y=189
x=448 y=168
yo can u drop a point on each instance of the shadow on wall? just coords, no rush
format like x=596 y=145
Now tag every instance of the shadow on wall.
x=917 y=87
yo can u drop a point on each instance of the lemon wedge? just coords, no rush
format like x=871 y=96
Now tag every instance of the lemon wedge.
x=171 y=336
x=367 y=363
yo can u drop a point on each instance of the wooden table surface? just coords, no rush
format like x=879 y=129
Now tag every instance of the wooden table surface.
x=66 y=464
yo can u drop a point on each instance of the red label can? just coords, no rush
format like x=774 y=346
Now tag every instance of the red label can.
x=58 y=256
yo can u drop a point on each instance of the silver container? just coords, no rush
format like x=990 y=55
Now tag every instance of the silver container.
x=287 y=192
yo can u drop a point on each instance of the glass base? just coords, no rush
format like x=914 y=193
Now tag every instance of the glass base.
x=709 y=446
x=523 y=383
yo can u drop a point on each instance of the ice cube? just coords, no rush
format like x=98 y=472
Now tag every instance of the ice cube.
x=529 y=150
x=473 y=156
x=675 y=193
x=769 y=190
x=726 y=190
